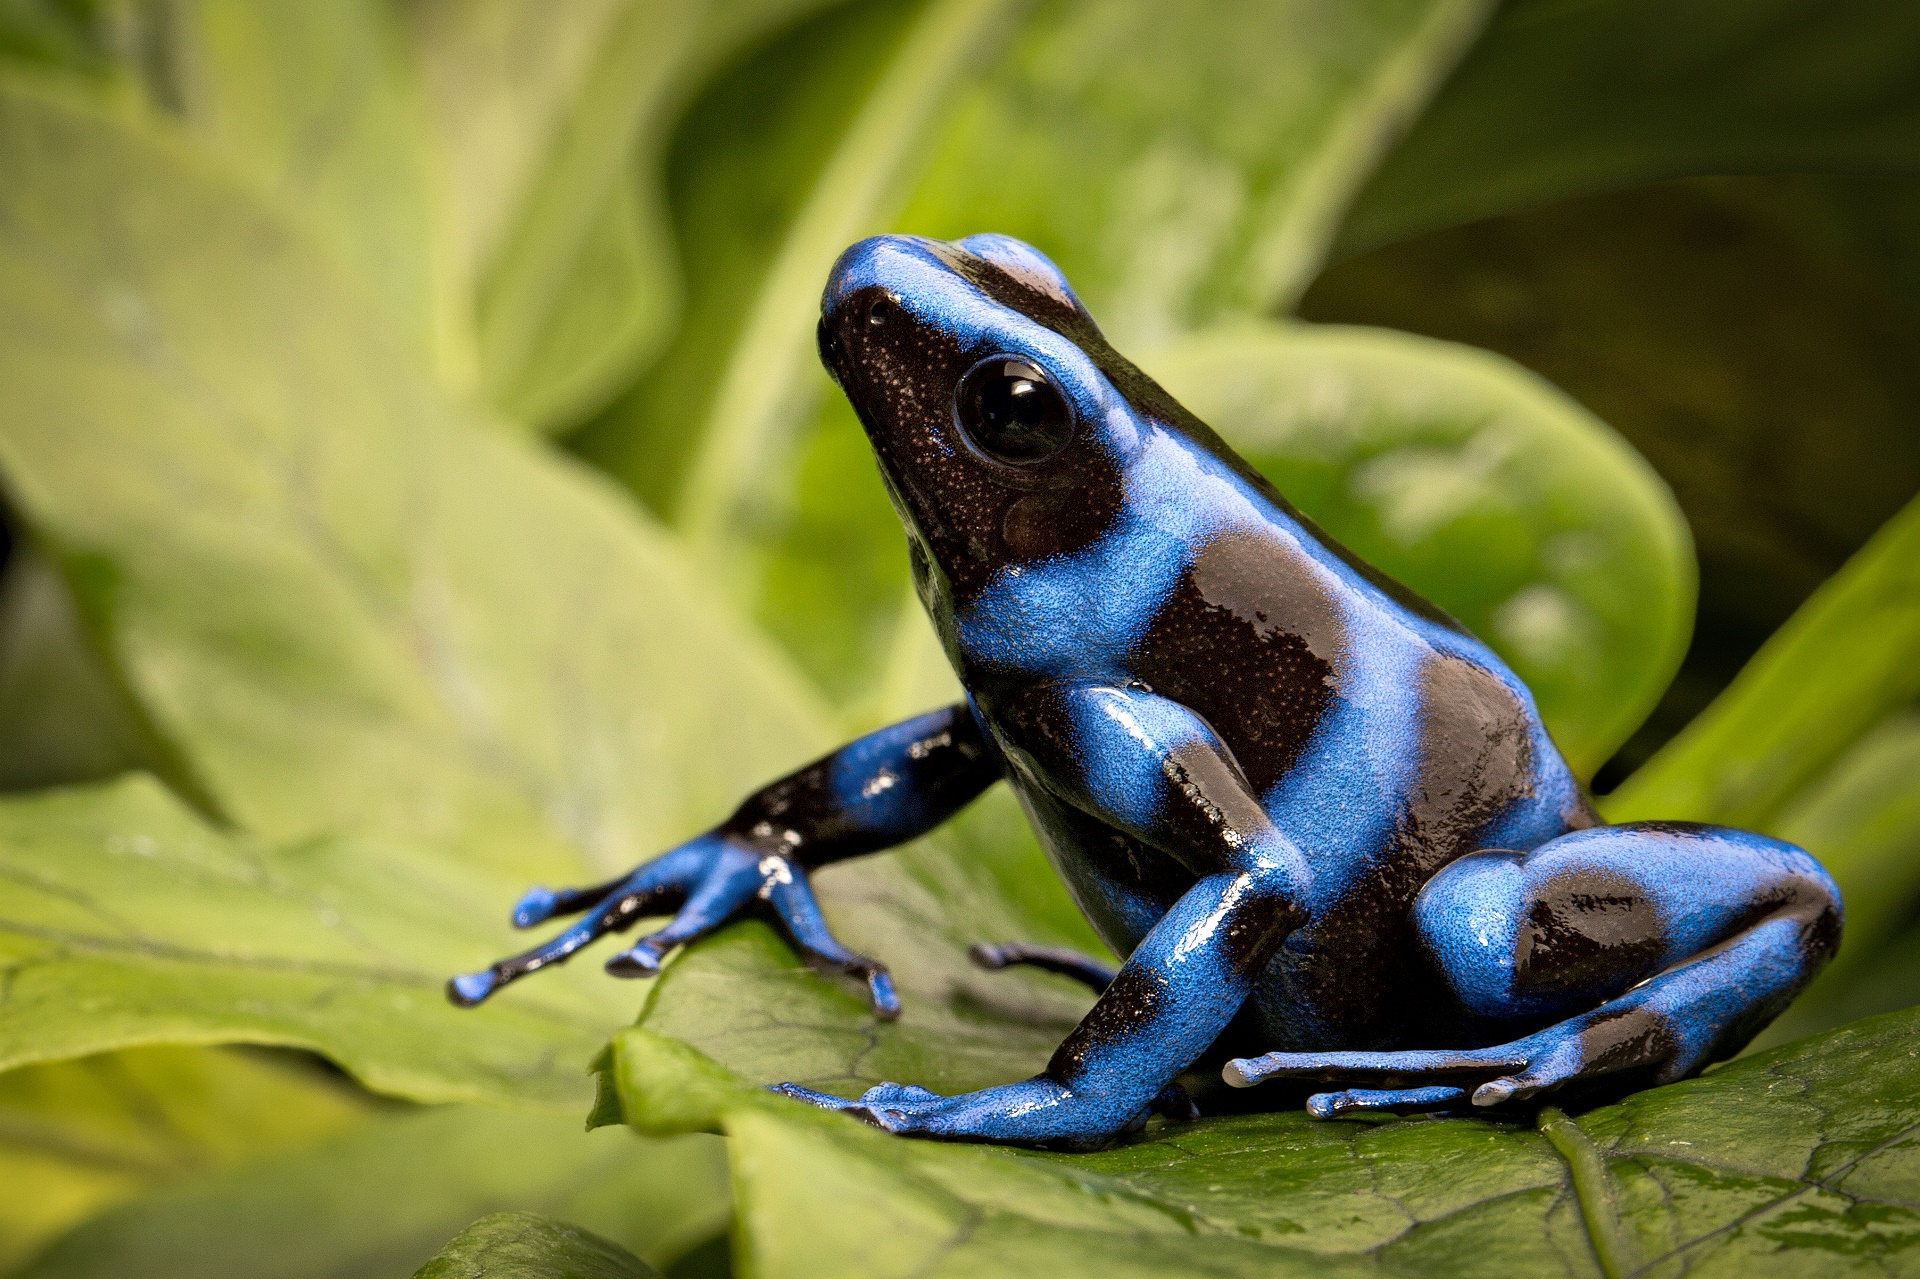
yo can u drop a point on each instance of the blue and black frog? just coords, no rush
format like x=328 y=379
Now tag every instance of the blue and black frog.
x=1324 y=823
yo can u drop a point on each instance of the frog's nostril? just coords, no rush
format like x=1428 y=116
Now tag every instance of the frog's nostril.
x=878 y=313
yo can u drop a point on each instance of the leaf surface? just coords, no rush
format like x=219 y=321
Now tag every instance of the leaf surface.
x=342 y=602
x=127 y=920
x=1813 y=1146
x=547 y=136
x=1840 y=666
x=380 y=1202
x=79 y=1136
x=520 y=1245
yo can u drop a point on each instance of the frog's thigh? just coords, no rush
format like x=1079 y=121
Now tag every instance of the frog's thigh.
x=1585 y=917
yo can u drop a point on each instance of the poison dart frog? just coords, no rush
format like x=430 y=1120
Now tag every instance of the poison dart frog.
x=1323 y=822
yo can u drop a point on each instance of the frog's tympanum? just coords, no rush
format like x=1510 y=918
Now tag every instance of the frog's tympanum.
x=1321 y=820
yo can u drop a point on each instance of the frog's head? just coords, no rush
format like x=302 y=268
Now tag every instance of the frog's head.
x=1002 y=420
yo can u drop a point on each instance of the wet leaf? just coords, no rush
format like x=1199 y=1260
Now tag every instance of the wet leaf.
x=1815 y=1145
x=519 y=1245
x=1480 y=487
x=380 y=1202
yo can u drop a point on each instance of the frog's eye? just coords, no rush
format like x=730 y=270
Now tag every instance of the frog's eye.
x=1012 y=411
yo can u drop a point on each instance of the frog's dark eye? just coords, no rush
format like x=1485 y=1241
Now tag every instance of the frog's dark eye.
x=1012 y=411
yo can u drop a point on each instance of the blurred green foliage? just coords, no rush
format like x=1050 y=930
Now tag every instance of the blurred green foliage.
x=416 y=463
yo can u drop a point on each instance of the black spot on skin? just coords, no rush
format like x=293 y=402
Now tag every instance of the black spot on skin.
x=1248 y=641
x=1358 y=965
x=1627 y=1041
x=1588 y=934
x=801 y=817
x=1135 y=998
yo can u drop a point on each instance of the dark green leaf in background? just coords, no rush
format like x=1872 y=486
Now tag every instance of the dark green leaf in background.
x=1562 y=99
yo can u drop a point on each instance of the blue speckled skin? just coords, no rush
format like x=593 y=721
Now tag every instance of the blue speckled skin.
x=1322 y=821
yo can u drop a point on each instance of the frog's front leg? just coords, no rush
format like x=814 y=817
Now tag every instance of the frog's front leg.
x=883 y=789
x=1152 y=768
x=1662 y=946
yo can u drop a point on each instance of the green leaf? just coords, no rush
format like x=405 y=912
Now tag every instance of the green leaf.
x=1802 y=1157
x=342 y=602
x=548 y=135
x=380 y=1202
x=1477 y=485
x=78 y=1136
x=314 y=106
x=1863 y=820
x=1567 y=99
x=128 y=920
x=1842 y=664
x=519 y=1245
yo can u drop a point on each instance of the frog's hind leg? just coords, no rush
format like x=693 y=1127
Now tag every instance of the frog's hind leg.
x=1085 y=969
x=1649 y=950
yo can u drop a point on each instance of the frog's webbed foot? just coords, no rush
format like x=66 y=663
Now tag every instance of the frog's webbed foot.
x=707 y=882
x=1085 y=969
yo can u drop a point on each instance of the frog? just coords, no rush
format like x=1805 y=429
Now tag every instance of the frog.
x=1324 y=823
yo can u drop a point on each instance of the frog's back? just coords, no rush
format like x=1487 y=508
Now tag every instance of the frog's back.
x=1383 y=738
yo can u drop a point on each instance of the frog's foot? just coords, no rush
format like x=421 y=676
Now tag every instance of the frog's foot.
x=993 y=1114
x=1085 y=969
x=1619 y=1037
x=1395 y=1082
x=707 y=882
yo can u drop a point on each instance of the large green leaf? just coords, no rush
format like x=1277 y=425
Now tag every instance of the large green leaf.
x=1863 y=819
x=548 y=135
x=313 y=104
x=1476 y=485
x=77 y=1136
x=1565 y=99
x=1806 y=1157
x=1840 y=666
x=127 y=920
x=520 y=1245
x=342 y=602
x=380 y=1202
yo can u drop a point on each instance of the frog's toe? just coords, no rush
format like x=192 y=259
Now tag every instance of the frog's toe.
x=1389 y=1069
x=1394 y=1101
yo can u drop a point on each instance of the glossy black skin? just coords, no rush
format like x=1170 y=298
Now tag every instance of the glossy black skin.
x=1324 y=822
